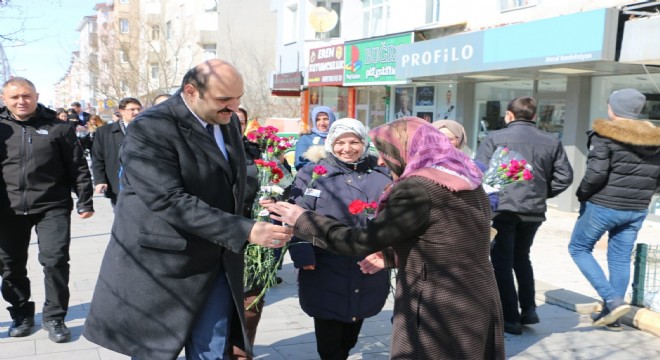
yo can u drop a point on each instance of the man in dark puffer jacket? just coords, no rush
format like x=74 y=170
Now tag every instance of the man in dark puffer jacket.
x=623 y=172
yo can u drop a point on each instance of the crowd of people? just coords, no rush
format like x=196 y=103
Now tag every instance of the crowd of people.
x=181 y=177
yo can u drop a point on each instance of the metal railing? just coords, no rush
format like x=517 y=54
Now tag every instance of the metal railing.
x=646 y=277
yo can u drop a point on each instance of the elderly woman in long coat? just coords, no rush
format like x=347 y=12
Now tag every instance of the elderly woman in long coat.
x=435 y=218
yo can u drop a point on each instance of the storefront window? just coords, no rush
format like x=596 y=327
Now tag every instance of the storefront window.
x=334 y=97
x=428 y=102
x=491 y=100
x=602 y=87
x=370 y=106
x=551 y=106
x=377 y=106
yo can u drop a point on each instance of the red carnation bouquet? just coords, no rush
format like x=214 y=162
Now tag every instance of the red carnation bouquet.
x=357 y=207
x=261 y=263
x=271 y=145
x=506 y=167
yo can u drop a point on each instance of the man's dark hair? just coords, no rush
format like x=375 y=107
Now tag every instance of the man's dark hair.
x=523 y=107
x=129 y=100
x=197 y=78
x=75 y=104
x=19 y=80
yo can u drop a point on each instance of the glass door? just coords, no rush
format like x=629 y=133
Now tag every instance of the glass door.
x=370 y=106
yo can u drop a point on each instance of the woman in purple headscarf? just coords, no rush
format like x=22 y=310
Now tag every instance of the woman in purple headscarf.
x=433 y=222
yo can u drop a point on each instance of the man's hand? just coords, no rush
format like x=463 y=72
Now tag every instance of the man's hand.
x=373 y=263
x=100 y=188
x=309 y=267
x=285 y=212
x=269 y=235
x=86 y=214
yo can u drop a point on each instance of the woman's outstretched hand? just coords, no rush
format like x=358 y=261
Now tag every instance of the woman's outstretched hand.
x=285 y=212
x=373 y=263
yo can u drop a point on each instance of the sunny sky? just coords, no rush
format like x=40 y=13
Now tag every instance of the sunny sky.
x=46 y=38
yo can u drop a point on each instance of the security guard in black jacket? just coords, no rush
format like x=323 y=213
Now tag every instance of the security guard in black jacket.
x=41 y=160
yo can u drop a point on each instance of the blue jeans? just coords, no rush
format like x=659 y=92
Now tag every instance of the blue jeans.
x=623 y=226
x=509 y=254
x=209 y=337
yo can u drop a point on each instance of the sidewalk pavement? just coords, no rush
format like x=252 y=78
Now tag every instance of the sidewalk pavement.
x=285 y=332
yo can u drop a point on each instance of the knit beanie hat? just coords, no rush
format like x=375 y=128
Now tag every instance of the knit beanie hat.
x=627 y=103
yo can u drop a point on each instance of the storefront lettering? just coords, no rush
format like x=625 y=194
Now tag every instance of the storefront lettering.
x=378 y=54
x=325 y=66
x=375 y=72
x=326 y=53
x=571 y=57
x=452 y=54
x=332 y=78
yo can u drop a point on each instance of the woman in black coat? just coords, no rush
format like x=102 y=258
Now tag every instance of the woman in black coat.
x=332 y=288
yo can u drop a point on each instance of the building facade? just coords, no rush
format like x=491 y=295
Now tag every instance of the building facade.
x=142 y=48
x=453 y=62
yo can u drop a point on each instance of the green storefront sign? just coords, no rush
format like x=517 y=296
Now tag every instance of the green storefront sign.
x=373 y=61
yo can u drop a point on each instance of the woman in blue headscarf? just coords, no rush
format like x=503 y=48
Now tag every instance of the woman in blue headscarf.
x=323 y=117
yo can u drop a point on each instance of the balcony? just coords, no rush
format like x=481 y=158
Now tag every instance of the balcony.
x=207 y=37
x=93 y=41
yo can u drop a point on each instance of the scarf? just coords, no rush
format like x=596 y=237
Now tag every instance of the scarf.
x=456 y=128
x=410 y=146
x=343 y=126
x=315 y=113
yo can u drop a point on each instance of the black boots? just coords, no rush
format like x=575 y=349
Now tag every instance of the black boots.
x=57 y=330
x=21 y=326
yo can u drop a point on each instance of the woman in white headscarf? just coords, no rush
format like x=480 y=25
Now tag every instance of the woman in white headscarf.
x=332 y=288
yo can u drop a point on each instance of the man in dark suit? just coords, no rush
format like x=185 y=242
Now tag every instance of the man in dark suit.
x=105 y=151
x=83 y=116
x=172 y=275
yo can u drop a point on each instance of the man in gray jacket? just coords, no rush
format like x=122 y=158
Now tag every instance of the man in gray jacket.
x=522 y=207
x=623 y=172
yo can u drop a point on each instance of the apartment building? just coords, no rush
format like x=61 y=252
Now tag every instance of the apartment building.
x=142 y=48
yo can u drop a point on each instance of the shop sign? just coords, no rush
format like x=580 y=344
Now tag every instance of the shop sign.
x=287 y=81
x=639 y=43
x=581 y=37
x=373 y=61
x=326 y=66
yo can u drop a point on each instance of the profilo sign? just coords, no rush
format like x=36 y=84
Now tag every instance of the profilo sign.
x=581 y=37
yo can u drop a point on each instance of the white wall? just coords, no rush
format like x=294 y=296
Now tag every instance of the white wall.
x=479 y=14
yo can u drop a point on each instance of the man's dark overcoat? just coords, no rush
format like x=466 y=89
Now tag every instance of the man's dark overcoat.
x=177 y=222
x=105 y=158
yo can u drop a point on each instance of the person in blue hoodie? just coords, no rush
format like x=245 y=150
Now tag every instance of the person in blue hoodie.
x=323 y=117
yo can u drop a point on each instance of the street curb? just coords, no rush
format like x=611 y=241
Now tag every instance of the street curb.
x=639 y=318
